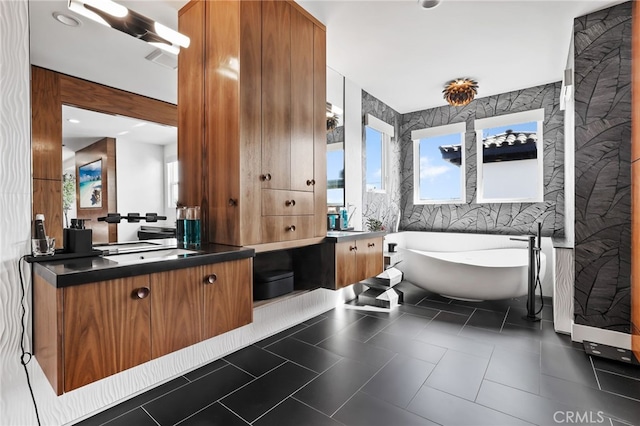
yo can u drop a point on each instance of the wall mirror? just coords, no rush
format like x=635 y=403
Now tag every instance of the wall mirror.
x=510 y=158
x=96 y=54
x=335 y=139
x=439 y=164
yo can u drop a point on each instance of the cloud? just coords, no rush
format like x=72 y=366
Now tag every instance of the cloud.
x=428 y=171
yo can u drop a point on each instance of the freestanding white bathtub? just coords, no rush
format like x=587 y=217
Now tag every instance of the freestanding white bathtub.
x=465 y=266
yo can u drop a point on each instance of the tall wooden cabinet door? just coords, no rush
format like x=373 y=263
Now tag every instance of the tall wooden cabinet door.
x=228 y=296
x=276 y=94
x=106 y=329
x=302 y=102
x=346 y=267
x=176 y=310
x=370 y=258
x=320 y=130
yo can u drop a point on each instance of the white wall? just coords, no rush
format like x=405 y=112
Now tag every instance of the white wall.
x=170 y=154
x=140 y=179
x=353 y=151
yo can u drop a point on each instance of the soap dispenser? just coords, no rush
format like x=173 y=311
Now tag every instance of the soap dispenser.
x=78 y=239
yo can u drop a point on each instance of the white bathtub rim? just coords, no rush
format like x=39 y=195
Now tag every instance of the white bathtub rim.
x=477 y=259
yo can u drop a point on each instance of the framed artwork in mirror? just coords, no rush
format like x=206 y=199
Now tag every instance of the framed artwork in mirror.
x=90 y=184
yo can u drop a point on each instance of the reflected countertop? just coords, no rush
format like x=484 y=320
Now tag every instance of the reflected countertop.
x=69 y=272
x=342 y=236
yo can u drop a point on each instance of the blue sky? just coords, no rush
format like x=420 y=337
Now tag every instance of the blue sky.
x=439 y=179
x=373 y=156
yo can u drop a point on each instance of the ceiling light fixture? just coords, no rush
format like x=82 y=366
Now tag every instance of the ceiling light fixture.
x=114 y=15
x=428 y=4
x=67 y=20
x=460 y=92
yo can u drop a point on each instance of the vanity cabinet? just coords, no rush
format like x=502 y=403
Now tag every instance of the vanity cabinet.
x=86 y=332
x=252 y=111
x=358 y=259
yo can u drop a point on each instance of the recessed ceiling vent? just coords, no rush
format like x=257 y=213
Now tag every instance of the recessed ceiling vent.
x=163 y=58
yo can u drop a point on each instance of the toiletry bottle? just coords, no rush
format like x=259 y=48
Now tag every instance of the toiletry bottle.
x=40 y=233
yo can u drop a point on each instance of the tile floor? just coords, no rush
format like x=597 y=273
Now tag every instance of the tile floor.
x=429 y=361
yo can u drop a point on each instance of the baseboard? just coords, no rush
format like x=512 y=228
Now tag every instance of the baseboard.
x=616 y=339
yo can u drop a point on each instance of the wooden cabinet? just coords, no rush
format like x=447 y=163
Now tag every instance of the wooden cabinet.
x=106 y=329
x=261 y=124
x=357 y=260
x=87 y=332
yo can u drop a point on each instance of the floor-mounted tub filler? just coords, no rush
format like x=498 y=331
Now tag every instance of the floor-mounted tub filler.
x=463 y=266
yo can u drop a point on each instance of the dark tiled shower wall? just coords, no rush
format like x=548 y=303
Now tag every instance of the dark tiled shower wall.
x=603 y=168
x=503 y=218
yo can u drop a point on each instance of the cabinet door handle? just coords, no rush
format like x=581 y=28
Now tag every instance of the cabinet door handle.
x=233 y=202
x=291 y=228
x=371 y=245
x=290 y=203
x=140 y=293
x=311 y=182
x=265 y=177
x=353 y=248
x=210 y=279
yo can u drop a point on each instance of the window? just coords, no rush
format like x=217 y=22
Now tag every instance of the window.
x=510 y=158
x=438 y=168
x=172 y=184
x=378 y=135
x=335 y=174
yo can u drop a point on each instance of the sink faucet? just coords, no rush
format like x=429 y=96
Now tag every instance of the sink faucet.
x=131 y=217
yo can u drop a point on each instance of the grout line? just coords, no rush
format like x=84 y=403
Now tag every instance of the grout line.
x=148 y=414
x=593 y=368
x=391 y=322
x=364 y=384
x=303 y=366
x=238 y=415
x=617 y=374
x=288 y=335
x=466 y=322
x=315 y=409
x=505 y=318
x=622 y=396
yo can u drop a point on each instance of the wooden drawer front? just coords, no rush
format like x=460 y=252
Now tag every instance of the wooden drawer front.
x=286 y=203
x=286 y=228
x=370 y=259
x=346 y=266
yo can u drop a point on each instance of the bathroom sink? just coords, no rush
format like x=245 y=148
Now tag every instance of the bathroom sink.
x=114 y=248
x=150 y=256
x=343 y=233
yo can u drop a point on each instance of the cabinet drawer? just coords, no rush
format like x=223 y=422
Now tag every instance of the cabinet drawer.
x=286 y=228
x=286 y=203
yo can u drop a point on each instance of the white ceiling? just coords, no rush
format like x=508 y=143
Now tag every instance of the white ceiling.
x=394 y=50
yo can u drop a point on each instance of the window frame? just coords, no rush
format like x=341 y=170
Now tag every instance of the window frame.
x=338 y=146
x=431 y=132
x=536 y=115
x=387 y=132
x=168 y=182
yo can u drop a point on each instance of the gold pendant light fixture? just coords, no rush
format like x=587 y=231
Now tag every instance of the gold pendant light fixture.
x=460 y=92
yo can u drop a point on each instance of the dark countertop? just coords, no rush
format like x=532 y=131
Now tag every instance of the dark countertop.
x=342 y=236
x=69 y=272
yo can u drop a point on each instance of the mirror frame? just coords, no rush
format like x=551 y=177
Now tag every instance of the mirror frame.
x=49 y=91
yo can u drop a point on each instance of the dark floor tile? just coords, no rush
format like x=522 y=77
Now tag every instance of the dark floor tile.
x=457 y=343
x=386 y=314
x=448 y=322
x=500 y=339
x=420 y=311
x=567 y=363
x=447 y=307
x=618 y=367
x=409 y=347
x=407 y=325
x=322 y=330
x=488 y=305
x=547 y=312
x=214 y=415
x=363 y=329
x=205 y=369
x=343 y=314
x=134 y=402
x=412 y=294
x=358 y=351
x=179 y=404
x=490 y=320
x=526 y=406
x=399 y=380
x=314 y=320
x=458 y=374
x=590 y=399
x=312 y=357
x=279 y=336
x=517 y=316
x=137 y=417
x=259 y=396
x=520 y=370
x=294 y=413
x=435 y=297
x=254 y=360
x=447 y=409
x=366 y=410
x=620 y=385
x=334 y=387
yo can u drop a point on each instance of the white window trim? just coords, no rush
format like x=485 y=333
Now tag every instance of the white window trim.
x=504 y=120
x=387 y=131
x=431 y=132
